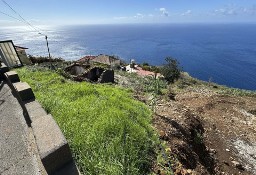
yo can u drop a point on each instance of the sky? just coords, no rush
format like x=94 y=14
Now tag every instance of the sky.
x=70 y=12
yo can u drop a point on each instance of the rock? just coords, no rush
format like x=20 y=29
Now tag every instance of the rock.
x=162 y=134
x=226 y=163
x=237 y=165
x=189 y=171
x=212 y=151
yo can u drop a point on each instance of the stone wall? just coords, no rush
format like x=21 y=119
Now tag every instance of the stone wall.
x=52 y=146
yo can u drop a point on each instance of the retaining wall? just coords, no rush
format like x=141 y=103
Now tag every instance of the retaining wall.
x=52 y=146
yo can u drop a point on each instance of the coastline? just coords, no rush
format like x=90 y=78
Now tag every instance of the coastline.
x=222 y=52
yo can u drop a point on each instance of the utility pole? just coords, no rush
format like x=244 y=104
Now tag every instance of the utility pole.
x=46 y=38
x=47 y=46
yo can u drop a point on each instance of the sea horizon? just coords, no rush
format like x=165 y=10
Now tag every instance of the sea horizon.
x=222 y=53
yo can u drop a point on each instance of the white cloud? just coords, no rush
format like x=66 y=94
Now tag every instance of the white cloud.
x=226 y=11
x=164 y=12
x=120 y=17
x=251 y=10
x=233 y=10
x=188 y=12
x=139 y=15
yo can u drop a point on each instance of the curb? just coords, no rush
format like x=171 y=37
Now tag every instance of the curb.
x=52 y=145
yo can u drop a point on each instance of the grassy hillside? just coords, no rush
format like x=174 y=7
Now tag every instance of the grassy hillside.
x=108 y=131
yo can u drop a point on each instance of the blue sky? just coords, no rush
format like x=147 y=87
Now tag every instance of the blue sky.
x=49 y=12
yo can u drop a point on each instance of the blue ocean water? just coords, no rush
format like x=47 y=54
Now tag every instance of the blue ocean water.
x=224 y=53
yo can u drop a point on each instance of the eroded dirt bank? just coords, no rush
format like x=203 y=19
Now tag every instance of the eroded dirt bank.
x=208 y=133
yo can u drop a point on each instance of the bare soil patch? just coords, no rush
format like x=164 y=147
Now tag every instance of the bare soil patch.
x=208 y=133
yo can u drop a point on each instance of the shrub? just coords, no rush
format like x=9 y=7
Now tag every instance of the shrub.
x=145 y=64
x=41 y=59
x=155 y=69
x=144 y=67
x=171 y=70
x=147 y=67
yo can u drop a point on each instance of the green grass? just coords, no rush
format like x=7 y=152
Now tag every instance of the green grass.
x=108 y=131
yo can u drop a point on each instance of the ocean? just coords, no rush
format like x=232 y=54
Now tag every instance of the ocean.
x=221 y=53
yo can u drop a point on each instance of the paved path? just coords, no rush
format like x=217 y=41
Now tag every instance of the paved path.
x=16 y=155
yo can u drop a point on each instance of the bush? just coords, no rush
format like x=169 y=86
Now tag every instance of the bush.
x=171 y=70
x=147 y=68
x=41 y=59
x=145 y=64
x=155 y=69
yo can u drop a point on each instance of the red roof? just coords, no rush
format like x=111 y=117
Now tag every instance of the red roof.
x=142 y=72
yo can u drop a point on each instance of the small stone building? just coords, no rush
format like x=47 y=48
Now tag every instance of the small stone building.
x=21 y=51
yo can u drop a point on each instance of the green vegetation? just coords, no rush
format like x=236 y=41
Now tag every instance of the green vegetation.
x=171 y=70
x=147 y=67
x=186 y=81
x=236 y=92
x=108 y=131
x=41 y=59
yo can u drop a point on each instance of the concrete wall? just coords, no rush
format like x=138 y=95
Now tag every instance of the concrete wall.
x=52 y=146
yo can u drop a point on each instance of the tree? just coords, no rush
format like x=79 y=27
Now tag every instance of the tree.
x=171 y=70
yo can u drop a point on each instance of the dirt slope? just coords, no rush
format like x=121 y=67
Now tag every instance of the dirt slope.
x=208 y=133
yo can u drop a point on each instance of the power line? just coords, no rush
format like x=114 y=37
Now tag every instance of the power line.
x=14 y=18
x=26 y=22
x=22 y=22
x=46 y=38
x=11 y=16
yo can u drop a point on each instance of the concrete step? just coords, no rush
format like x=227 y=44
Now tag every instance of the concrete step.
x=12 y=76
x=35 y=110
x=24 y=90
x=3 y=69
x=53 y=148
x=68 y=169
